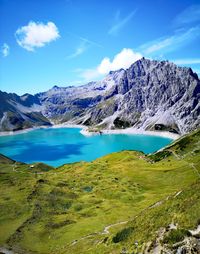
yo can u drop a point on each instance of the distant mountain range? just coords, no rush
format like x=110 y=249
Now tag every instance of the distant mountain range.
x=150 y=95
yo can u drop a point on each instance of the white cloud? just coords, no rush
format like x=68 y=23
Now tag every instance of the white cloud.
x=153 y=49
x=5 y=50
x=124 y=59
x=120 y=23
x=36 y=35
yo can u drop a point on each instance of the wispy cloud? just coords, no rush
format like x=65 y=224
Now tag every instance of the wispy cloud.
x=5 y=50
x=91 y=42
x=189 y=15
x=153 y=49
x=79 y=50
x=120 y=23
x=168 y=44
x=83 y=46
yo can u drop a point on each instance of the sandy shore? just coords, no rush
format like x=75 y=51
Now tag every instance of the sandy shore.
x=133 y=131
x=84 y=131
x=64 y=125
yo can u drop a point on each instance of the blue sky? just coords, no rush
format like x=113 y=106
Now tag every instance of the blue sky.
x=70 y=42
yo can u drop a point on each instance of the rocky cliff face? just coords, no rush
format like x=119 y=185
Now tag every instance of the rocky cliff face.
x=149 y=95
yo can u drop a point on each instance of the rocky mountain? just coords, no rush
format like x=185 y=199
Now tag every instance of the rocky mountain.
x=150 y=95
x=20 y=112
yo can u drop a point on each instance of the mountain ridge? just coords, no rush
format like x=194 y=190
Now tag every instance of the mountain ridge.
x=149 y=95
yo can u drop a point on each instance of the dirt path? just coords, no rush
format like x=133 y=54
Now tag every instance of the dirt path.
x=104 y=232
x=190 y=164
x=195 y=169
x=106 y=229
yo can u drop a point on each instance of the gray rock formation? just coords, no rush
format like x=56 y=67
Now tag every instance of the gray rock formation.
x=20 y=112
x=150 y=95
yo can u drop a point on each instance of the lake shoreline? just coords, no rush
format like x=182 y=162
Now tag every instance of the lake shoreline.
x=57 y=126
x=84 y=131
x=133 y=131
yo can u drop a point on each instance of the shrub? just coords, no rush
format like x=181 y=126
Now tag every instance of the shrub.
x=176 y=235
x=122 y=235
x=159 y=156
x=78 y=207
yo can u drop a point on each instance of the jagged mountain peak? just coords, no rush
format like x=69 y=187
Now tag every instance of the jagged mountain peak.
x=55 y=87
x=150 y=94
x=116 y=71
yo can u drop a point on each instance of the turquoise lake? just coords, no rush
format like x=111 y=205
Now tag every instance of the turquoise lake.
x=57 y=146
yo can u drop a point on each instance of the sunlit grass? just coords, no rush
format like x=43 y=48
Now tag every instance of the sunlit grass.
x=46 y=211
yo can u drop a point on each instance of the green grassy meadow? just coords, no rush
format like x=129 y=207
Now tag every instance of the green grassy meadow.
x=67 y=209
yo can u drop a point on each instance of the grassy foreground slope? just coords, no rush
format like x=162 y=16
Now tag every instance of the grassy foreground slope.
x=123 y=202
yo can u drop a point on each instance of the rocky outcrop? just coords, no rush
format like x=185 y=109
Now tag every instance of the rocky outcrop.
x=150 y=95
x=20 y=112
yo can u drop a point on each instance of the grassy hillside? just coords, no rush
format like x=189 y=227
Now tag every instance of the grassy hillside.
x=121 y=202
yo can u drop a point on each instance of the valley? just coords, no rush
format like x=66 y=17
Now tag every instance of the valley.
x=100 y=127
x=123 y=202
x=103 y=206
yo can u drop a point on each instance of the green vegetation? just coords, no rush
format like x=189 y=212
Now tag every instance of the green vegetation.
x=122 y=235
x=176 y=235
x=121 y=124
x=101 y=206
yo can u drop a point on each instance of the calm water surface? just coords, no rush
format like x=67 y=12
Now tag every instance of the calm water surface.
x=57 y=146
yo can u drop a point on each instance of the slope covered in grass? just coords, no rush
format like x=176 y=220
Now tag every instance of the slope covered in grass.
x=101 y=206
